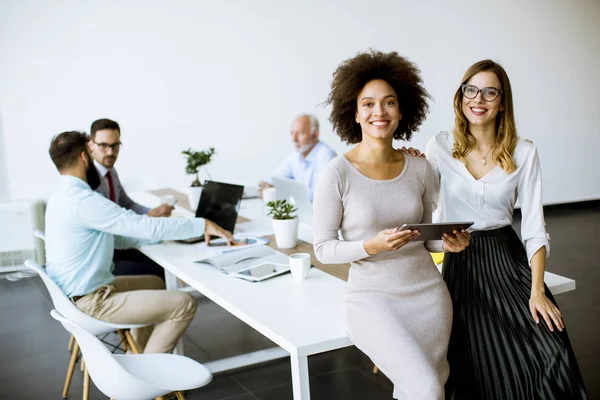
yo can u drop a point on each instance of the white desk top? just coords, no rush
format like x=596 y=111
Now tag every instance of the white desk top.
x=303 y=318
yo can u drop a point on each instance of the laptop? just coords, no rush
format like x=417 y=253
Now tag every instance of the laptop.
x=219 y=202
x=250 y=192
x=296 y=193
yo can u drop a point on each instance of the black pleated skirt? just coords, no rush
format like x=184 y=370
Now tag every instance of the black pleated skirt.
x=497 y=351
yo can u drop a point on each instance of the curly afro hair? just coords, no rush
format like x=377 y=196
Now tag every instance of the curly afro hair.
x=353 y=74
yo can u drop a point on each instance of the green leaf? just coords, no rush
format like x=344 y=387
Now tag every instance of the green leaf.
x=196 y=159
x=281 y=209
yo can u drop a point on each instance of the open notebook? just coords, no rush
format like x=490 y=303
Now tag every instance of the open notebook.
x=235 y=260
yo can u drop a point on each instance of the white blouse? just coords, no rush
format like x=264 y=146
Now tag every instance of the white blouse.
x=490 y=200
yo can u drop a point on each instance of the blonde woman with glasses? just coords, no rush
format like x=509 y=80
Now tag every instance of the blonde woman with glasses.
x=508 y=338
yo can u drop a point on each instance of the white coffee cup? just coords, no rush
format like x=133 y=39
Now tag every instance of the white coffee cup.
x=168 y=199
x=268 y=194
x=299 y=265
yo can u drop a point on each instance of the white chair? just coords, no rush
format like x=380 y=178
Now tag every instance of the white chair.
x=135 y=377
x=96 y=327
x=41 y=235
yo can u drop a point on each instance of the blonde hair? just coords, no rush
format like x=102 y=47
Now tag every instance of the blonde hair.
x=506 y=130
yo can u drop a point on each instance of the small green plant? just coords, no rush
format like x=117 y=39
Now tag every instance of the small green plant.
x=281 y=209
x=195 y=160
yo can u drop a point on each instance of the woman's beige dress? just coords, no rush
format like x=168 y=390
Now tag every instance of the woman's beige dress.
x=398 y=310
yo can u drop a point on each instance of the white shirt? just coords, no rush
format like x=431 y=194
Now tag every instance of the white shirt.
x=306 y=170
x=121 y=197
x=490 y=200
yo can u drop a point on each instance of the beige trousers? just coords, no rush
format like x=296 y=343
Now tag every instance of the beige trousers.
x=141 y=299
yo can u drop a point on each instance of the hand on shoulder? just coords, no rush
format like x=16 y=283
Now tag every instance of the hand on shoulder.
x=411 y=151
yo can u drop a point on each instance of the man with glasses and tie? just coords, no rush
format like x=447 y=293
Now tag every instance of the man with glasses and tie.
x=105 y=144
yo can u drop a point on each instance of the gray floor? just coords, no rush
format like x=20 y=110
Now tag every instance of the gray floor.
x=33 y=354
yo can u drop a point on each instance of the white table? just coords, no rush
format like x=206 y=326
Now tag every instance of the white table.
x=301 y=318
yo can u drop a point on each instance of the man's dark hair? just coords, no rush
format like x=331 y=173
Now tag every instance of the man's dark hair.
x=103 y=123
x=66 y=147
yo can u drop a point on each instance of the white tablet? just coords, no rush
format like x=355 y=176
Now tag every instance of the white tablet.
x=436 y=231
x=263 y=271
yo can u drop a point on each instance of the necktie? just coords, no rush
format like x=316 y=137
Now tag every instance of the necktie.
x=110 y=186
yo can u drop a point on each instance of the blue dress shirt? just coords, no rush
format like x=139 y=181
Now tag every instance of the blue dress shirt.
x=83 y=228
x=306 y=170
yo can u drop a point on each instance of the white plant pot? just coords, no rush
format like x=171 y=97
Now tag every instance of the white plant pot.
x=194 y=193
x=286 y=232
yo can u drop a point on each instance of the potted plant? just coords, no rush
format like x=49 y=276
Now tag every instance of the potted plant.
x=195 y=161
x=285 y=223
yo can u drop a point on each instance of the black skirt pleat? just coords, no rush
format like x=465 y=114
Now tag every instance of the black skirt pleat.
x=497 y=351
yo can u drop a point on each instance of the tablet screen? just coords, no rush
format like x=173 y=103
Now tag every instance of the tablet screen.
x=262 y=270
x=435 y=231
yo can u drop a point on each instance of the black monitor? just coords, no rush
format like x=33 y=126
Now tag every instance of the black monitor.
x=220 y=203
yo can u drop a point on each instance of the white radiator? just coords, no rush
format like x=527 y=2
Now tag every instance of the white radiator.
x=18 y=220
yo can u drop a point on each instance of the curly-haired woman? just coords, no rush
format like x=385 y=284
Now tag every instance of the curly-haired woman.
x=398 y=310
x=499 y=350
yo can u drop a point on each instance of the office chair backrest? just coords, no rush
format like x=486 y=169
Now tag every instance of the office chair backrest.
x=65 y=306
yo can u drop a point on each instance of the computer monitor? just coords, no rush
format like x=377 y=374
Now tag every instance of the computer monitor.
x=220 y=203
x=297 y=193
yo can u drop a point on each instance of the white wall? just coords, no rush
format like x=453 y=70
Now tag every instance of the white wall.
x=232 y=74
x=4 y=193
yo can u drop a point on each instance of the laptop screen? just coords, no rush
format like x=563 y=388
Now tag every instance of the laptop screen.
x=220 y=203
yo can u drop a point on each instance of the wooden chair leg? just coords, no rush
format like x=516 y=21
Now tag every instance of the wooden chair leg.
x=82 y=366
x=180 y=396
x=70 y=370
x=131 y=342
x=123 y=339
x=71 y=341
x=375 y=369
x=86 y=384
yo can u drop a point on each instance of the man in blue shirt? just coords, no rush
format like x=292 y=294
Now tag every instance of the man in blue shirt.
x=82 y=230
x=309 y=157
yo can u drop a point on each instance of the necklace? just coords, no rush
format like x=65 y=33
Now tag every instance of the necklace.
x=483 y=156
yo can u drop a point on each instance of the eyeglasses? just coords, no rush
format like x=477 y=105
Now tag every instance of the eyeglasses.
x=105 y=146
x=487 y=93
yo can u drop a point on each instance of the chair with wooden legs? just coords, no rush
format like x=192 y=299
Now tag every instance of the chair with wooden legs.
x=135 y=377
x=124 y=340
x=67 y=308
